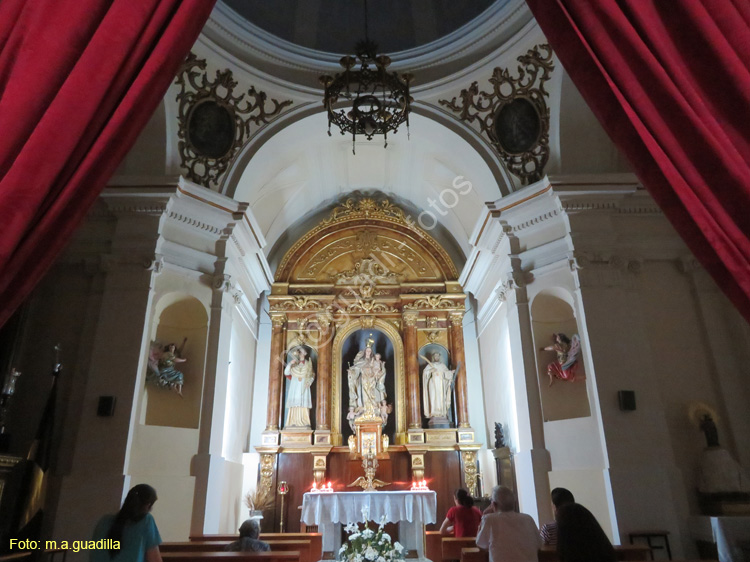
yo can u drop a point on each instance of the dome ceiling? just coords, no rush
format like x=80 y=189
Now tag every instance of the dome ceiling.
x=335 y=26
x=293 y=42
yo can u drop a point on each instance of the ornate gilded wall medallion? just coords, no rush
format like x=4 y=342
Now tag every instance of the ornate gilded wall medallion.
x=517 y=126
x=514 y=115
x=211 y=128
x=214 y=122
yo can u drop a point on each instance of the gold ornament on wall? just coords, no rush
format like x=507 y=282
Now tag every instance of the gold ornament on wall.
x=434 y=302
x=514 y=115
x=367 y=272
x=471 y=474
x=266 y=472
x=357 y=230
x=298 y=303
x=214 y=121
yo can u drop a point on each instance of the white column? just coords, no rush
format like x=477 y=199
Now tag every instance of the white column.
x=208 y=464
x=532 y=459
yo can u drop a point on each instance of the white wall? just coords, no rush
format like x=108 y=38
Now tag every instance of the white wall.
x=650 y=321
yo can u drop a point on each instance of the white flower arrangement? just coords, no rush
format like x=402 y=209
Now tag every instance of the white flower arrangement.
x=366 y=545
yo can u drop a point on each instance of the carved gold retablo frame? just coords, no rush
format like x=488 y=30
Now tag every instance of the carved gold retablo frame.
x=367 y=238
x=367 y=266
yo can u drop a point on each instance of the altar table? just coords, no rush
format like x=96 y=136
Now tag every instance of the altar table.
x=411 y=510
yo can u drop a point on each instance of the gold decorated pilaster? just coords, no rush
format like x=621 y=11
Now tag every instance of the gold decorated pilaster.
x=412 y=369
x=471 y=474
x=275 y=371
x=457 y=352
x=267 y=461
x=325 y=347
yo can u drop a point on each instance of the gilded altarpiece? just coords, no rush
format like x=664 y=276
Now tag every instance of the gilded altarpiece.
x=358 y=300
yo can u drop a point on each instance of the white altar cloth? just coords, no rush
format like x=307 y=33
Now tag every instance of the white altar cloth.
x=346 y=507
x=411 y=510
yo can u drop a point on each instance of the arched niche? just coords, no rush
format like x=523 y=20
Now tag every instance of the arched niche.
x=552 y=312
x=346 y=343
x=382 y=346
x=312 y=355
x=178 y=316
x=427 y=352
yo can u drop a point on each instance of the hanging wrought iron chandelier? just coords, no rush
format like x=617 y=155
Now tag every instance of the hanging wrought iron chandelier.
x=366 y=99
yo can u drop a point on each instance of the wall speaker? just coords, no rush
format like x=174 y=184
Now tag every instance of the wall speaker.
x=106 y=406
x=627 y=400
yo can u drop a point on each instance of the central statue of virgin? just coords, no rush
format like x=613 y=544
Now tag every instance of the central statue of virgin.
x=366 y=377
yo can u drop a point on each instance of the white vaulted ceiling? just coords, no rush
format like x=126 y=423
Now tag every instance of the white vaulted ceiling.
x=300 y=171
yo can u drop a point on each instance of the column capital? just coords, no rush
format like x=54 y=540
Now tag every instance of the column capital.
x=324 y=320
x=456 y=318
x=278 y=319
x=410 y=319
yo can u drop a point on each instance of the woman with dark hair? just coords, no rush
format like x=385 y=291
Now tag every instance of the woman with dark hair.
x=132 y=530
x=580 y=538
x=463 y=519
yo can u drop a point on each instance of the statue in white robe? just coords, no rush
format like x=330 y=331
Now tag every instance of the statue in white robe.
x=300 y=376
x=437 y=386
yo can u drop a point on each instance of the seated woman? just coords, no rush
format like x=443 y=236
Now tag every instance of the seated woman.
x=580 y=538
x=463 y=519
x=248 y=542
x=133 y=531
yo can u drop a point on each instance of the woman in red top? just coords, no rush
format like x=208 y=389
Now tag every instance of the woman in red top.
x=463 y=519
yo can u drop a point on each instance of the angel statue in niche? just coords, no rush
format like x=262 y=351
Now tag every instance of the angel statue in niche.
x=161 y=366
x=568 y=351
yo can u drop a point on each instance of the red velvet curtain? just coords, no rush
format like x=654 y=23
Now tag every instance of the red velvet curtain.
x=670 y=83
x=79 y=79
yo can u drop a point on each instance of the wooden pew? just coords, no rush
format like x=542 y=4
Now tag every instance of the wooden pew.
x=452 y=546
x=204 y=546
x=623 y=553
x=279 y=556
x=316 y=540
x=548 y=554
x=17 y=556
x=304 y=547
x=433 y=546
x=474 y=554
